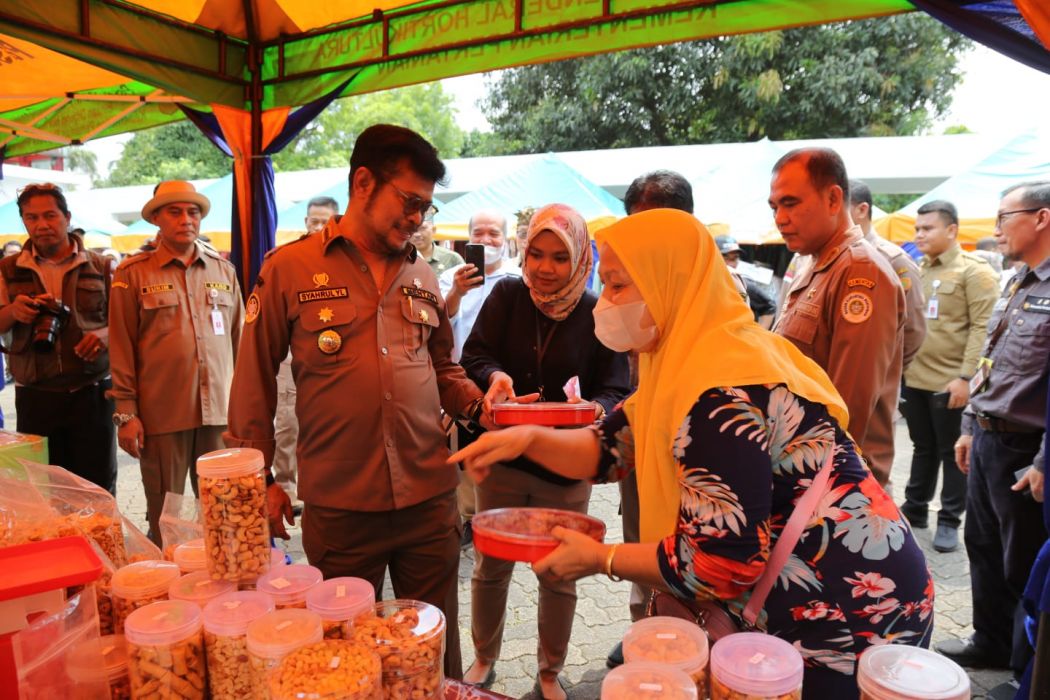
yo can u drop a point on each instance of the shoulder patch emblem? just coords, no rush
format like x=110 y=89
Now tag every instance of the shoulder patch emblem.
x=861 y=282
x=120 y=285
x=857 y=307
x=251 y=309
x=906 y=283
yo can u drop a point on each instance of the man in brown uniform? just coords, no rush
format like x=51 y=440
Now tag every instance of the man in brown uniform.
x=845 y=307
x=176 y=318
x=371 y=356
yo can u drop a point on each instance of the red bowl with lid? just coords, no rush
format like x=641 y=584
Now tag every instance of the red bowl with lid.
x=553 y=414
x=524 y=534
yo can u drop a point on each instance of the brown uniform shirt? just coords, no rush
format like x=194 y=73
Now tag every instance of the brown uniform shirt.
x=372 y=371
x=170 y=365
x=845 y=310
x=911 y=280
x=963 y=289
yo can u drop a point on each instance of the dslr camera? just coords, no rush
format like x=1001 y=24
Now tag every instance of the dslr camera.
x=47 y=326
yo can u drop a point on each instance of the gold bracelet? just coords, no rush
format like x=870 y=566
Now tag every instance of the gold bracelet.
x=609 y=563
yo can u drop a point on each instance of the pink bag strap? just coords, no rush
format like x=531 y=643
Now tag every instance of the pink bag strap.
x=807 y=505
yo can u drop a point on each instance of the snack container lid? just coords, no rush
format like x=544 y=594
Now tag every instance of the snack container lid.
x=552 y=413
x=190 y=556
x=289 y=584
x=231 y=462
x=199 y=587
x=341 y=598
x=667 y=640
x=644 y=680
x=144 y=579
x=280 y=632
x=163 y=623
x=757 y=664
x=102 y=659
x=229 y=614
x=900 y=672
x=431 y=620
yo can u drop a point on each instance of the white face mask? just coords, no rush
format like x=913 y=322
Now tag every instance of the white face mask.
x=624 y=327
x=493 y=254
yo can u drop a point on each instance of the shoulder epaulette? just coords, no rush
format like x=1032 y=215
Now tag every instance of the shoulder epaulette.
x=136 y=258
x=300 y=239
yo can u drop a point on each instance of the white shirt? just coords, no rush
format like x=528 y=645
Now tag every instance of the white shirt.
x=471 y=302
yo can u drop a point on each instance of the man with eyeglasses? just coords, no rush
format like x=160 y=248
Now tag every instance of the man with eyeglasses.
x=53 y=298
x=371 y=356
x=1001 y=447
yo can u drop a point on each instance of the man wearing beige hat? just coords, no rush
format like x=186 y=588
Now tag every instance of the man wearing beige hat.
x=176 y=316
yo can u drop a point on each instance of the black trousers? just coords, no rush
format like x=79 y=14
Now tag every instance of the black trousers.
x=934 y=428
x=1003 y=534
x=78 y=426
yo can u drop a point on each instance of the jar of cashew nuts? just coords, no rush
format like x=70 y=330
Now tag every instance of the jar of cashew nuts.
x=289 y=585
x=226 y=621
x=409 y=637
x=166 y=651
x=672 y=641
x=137 y=585
x=199 y=588
x=644 y=680
x=275 y=635
x=233 y=512
x=100 y=664
x=190 y=556
x=339 y=601
x=330 y=670
x=754 y=666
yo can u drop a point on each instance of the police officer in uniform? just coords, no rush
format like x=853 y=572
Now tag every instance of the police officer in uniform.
x=1001 y=445
x=371 y=351
x=845 y=308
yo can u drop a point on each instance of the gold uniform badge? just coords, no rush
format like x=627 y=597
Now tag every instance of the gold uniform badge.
x=424 y=316
x=325 y=315
x=329 y=342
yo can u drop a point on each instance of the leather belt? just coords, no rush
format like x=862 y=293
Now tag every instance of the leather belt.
x=992 y=424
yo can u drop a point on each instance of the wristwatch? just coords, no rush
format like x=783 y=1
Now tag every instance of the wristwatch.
x=122 y=419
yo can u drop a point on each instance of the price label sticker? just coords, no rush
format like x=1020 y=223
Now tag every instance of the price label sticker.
x=280 y=583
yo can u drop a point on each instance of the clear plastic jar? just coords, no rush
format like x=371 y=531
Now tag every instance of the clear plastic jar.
x=199 y=588
x=754 y=666
x=226 y=620
x=275 y=635
x=276 y=560
x=190 y=556
x=899 y=672
x=409 y=637
x=289 y=585
x=672 y=641
x=328 y=670
x=137 y=585
x=166 y=651
x=339 y=601
x=644 y=680
x=101 y=663
x=233 y=510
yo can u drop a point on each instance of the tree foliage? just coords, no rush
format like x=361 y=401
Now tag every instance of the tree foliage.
x=179 y=151
x=864 y=78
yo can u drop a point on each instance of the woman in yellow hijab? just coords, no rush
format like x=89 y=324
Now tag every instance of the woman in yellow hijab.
x=728 y=427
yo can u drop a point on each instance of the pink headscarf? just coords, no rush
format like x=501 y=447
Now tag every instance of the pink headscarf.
x=567 y=224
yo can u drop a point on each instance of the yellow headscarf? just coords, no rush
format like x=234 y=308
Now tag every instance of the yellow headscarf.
x=708 y=338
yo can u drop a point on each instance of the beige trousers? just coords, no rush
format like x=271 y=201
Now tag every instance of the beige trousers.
x=630 y=515
x=165 y=461
x=506 y=488
x=285 y=432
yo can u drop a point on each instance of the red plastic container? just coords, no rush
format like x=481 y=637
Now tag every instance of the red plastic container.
x=523 y=534
x=552 y=414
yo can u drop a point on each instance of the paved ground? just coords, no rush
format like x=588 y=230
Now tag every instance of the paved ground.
x=601 y=613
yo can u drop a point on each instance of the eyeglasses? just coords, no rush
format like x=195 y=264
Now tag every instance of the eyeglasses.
x=414 y=203
x=1001 y=215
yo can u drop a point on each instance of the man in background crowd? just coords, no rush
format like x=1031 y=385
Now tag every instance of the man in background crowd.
x=318 y=211
x=437 y=256
x=960 y=290
x=763 y=306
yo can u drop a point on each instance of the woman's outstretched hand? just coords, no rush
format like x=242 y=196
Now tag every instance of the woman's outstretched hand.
x=493 y=447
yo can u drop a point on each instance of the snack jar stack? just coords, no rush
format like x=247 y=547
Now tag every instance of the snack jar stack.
x=340 y=601
x=226 y=621
x=288 y=585
x=333 y=669
x=199 y=588
x=189 y=556
x=754 y=666
x=233 y=512
x=272 y=637
x=100 y=665
x=166 y=651
x=644 y=680
x=899 y=672
x=409 y=637
x=671 y=641
x=140 y=584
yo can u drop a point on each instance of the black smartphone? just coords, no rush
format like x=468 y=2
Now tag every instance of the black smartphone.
x=940 y=399
x=476 y=257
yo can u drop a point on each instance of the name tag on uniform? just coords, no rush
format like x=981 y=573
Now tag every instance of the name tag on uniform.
x=221 y=286
x=980 y=377
x=420 y=294
x=217 y=323
x=1040 y=305
x=154 y=288
x=932 y=307
x=323 y=294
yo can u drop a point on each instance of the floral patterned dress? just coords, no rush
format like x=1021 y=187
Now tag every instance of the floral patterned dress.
x=744 y=457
